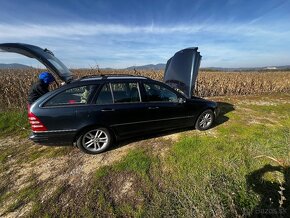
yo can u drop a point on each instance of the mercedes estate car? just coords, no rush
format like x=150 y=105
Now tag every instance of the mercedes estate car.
x=95 y=111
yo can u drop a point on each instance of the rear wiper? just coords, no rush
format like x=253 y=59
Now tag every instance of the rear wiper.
x=48 y=51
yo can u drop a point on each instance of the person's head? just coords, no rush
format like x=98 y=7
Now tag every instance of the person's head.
x=46 y=78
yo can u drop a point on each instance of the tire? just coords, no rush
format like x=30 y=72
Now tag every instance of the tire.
x=205 y=120
x=95 y=141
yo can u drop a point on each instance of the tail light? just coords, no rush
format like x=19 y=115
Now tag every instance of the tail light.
x=36 y=124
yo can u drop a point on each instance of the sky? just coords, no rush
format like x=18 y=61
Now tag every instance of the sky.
x=123 y=33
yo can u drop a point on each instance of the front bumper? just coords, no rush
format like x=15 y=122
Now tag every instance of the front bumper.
x=216 y=112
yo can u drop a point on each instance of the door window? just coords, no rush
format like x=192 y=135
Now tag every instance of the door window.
x=76 y=95
x=156 y=92
x=126 y=92
x=105 y=95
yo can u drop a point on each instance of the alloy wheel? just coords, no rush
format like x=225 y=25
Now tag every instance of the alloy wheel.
x=95 y=140
x=205 y=120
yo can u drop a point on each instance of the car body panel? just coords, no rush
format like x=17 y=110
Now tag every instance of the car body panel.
x=182 y=69
x=123 y=119
x=44 y=56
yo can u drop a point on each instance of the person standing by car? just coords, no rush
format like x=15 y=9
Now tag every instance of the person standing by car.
x=40 y=87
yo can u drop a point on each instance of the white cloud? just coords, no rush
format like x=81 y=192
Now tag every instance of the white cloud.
x=112 y=45
x=10 y=31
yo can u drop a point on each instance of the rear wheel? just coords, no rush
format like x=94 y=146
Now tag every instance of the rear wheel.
x=205 y=120
x=95 y=140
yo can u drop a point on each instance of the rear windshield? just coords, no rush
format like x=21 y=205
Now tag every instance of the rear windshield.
x=59 y=66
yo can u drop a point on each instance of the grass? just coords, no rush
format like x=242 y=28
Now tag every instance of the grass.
x=39 y=209
x=137 y=161
x=217 y=173
x=206 y=175
x=222 y=163
x=24 y=196
x=14 y=123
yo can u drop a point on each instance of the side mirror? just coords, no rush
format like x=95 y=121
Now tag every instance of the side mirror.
x=181 y=100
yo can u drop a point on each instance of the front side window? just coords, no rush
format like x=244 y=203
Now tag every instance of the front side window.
x=76 y=95
x=156 y=92
x=126 y=92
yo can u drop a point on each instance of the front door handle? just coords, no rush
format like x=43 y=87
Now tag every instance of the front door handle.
x=107 y=110
x=153 y=108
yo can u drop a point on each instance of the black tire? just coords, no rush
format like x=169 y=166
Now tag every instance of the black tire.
x=205 y=120
x=95 y=140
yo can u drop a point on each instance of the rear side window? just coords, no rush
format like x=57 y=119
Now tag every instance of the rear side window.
x=105 y=95
x=126 y=92
x=76 y=95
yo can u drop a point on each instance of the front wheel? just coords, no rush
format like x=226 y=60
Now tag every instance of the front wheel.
x=205 y=120
x=94 y=141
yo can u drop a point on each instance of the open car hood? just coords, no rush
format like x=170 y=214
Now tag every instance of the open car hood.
x=44 y=56
x=181 y=70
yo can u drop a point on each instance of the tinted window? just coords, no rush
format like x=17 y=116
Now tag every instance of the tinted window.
x=156 y=92
x=125 y=92
x=105 y=95
x=76 y=95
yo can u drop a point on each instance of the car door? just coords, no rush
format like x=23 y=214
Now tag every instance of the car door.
x=165 y=108
x=130 y=111
x=119 y=107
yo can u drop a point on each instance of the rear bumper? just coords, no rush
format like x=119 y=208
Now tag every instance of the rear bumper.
x=53 y=137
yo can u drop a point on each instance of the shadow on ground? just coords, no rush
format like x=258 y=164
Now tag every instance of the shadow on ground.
x=224 y=109
x=148 y=136
x=270 y=192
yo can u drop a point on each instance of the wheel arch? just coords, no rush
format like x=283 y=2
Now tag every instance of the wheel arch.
x=203 y=110
x=88 y=127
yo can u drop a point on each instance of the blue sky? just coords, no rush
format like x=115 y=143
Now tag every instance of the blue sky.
x=118 y=34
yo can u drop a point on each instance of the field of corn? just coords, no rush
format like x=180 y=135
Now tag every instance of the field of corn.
x=15 y=84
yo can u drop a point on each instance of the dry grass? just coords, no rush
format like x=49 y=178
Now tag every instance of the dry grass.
x=15 y=84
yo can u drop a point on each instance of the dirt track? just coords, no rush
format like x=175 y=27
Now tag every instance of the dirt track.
x=62 y=165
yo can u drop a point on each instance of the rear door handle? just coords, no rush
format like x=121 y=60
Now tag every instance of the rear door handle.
x=153 y=108
x=107 y=110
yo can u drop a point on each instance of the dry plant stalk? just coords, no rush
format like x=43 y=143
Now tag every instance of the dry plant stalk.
x=15 y=83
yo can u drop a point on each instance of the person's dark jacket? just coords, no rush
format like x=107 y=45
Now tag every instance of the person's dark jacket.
x=37 y=90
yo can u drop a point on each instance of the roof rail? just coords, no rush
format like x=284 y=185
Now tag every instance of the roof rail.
x=104 y=76
x=118 y=74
